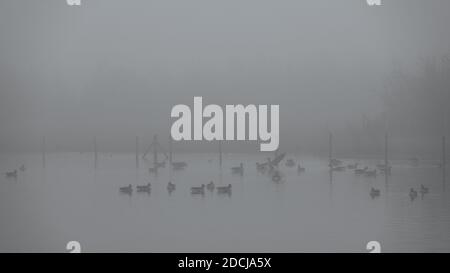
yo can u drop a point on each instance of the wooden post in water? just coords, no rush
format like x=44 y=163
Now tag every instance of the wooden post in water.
x=386 y=151
x=137 y=152
x=95 y=152
x=330 y=151
x=387 y=168
x=170 y=151
x=220 y=153
x=444 y=162
x=155 y=153
x=43 y=152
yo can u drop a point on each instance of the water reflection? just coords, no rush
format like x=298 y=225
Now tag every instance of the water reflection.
x=295 y=215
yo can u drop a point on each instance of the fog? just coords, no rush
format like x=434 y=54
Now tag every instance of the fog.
x=113 y=69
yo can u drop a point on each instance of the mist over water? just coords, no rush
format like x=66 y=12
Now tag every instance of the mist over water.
x=75 y=81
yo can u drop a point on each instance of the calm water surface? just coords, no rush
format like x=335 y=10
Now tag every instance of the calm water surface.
x=69 y=200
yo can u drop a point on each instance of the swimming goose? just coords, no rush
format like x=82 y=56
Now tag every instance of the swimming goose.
x=144 y=188
x=374 y=193
x=290 y=163
x=412 y=194
x=276 y=177
x=198 y=190
x=384 y=168
x=161 y=164
x=226 y=189
x=423 y=189
x=210 y=186
x=178 y=166
x=127 y=190
x=12 y=174
x=261 y=167
x=238 y=170
x=372 y=173
x=338 y=169
x=335 y=162
x=170 y=187
x=361 y=171
x=300 y=169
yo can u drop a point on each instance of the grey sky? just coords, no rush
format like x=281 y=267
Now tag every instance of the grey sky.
x=114 y=68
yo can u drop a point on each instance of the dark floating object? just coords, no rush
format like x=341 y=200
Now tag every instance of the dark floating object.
x=262 y=167
x=300 y=169
x=171 y=187
x=423 y=190
x=372 y=173
x=374 y=193
x=178 y=166
x=127 y=190
x=290 y=163
x=361 y=171
x=412 y=194
x=238 y=170
x=338 y=169
x=335 y=162
x=12 y=174
x=210 y=186
x=224 y=190
x=144 y=188
x=198 y=190
x=276 y=177
x=22 y=168
x=160 y=164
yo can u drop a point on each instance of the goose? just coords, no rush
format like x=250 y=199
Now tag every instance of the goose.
x=198 y=190
x=12 y=174
x=238 y=170
x=210 y=186
x=276 y=177
x=335 y=162
x=338 y=169
x=384 y=168
x=412 y=194
x=261 y=167
x=374 y=192
x=225 y=189
x=361 y=171
x=170 y=187
x=127 y=190
x=300 y=169
x=372 y=173
x=177 y=166
x=414 y=161
x=160 y=164
x=290 y=163
x=144 y=188
x=22 y=168
x=423 y=189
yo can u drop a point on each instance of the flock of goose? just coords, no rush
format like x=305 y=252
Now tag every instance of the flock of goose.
x=199 y=190
x=337 y=165
x=269 y=167
x=13 y=174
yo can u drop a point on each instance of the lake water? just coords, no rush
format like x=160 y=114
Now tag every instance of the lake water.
x=69 y=200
